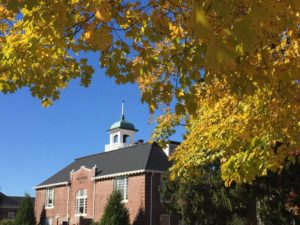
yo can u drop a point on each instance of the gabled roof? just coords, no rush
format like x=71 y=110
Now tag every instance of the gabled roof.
x=140 y=157
x=10 y=202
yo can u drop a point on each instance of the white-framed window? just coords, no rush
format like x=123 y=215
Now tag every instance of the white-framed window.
x=121 y=185
x=116 y=138
x=164 y=219
x=126 y=139
x=48 y=221
x=81 y=202
x=11 y=215
x=49 y=198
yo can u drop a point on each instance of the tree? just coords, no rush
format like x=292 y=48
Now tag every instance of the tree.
x=140 y=218
x=25 y=214
x=115 y=212
x=279 y=195
x=209 y=201
x=227 y=65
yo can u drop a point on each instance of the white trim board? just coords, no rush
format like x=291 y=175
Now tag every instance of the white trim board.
x=102 y=177
x=51 y=185
x=126 y=173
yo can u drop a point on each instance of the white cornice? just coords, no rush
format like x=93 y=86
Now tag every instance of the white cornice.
x=103 y=177
x=51 y=185
x=126 y=173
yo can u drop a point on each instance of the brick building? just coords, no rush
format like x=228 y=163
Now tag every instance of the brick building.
x=78 y=193
x=9 y=206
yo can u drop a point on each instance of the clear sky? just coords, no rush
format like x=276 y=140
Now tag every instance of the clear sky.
x=36 y=142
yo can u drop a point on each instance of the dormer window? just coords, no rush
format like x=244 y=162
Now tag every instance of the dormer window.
x=126 y=139
x=116 y=138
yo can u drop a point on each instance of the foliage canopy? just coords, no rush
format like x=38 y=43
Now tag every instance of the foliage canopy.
x=231 y=68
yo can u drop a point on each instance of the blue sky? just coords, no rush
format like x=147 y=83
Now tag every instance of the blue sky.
x=36 y=142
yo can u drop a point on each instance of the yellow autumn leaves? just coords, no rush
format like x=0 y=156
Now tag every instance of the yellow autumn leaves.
x=227 y=70
x=248 y=134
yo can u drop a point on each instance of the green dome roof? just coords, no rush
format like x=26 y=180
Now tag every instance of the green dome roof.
x=123 y=124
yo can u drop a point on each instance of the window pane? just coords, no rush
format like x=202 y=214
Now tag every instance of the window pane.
x=81 y=202
x=49 y=197
x=11 y=215
x=121 y=184
x=164 y=219
x=115 y=138
x=48 y=221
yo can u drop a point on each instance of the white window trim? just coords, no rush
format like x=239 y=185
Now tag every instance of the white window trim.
x=49 y=206
x=10 y=215
x=165 y=216
x=125 y=191
x=49 y=221
x=84 y=197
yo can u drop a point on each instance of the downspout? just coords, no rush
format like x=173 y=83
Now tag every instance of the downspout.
x=151 y=197
x=68 y=199
x=94 y=191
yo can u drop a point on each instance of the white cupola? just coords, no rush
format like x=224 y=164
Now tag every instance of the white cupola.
x=121 y=134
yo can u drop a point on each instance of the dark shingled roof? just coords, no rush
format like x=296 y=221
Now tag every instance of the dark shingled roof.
x=138 y=157
x=11 y=202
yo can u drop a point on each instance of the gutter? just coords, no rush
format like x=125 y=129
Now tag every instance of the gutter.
x=126 y=173
x=68 y=201
x=151 y=197
x=94 y=192
x=51 y=185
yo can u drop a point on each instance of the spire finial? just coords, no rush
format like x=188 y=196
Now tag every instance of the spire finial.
x=123 y=116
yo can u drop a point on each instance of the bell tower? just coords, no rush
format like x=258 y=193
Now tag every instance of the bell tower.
x=121 y=133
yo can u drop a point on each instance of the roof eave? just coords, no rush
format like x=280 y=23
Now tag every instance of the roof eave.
x=126 y=174
x=51 y=185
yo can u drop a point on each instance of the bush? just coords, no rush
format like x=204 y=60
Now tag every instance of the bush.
x=115 y=212
x=6 y=222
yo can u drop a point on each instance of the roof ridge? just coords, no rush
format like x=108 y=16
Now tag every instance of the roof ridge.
x=101 y=153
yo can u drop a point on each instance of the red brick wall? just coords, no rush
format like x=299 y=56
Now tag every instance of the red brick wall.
x=157 y=207
x=103 y=190
x=138 y=197
x=82 y=179
x=60 y=204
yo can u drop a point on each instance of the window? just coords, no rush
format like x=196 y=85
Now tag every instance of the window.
x=126 y=139
x=121 y=184
x=50 y=197
x=11 y=216
x=115 y=138
x=81 y=202
x=48 y=221
x=164 y=219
